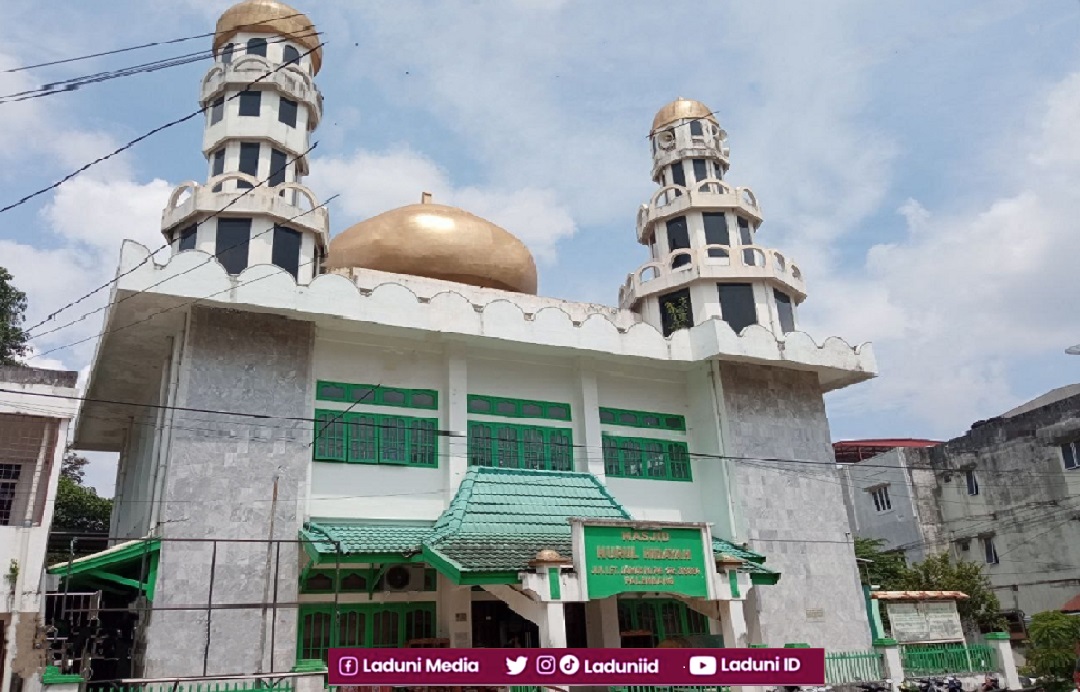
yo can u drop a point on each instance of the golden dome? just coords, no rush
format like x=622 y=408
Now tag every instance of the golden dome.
x=438 y=242
x=272 y=17
x=682 y=109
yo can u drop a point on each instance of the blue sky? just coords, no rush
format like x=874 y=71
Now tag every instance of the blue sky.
x=917 y=159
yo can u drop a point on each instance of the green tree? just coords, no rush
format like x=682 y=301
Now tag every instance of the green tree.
x=886 y=567
x=78 y=510
x=1053 y=642
x=13 y=340
x=981 y=610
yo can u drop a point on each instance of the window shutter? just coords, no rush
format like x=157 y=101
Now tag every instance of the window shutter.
x=392 y=440
x=480 y=444
x=422 y=443
x=329 y=436
x=612 y=467
x=363 y=438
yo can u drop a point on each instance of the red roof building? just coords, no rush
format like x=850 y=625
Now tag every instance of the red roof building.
x=854 y=451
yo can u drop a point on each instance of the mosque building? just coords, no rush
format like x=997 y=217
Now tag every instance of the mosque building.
x=388 y=438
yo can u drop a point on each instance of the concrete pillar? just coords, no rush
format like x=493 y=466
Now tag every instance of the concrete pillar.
x=457 y=419
x=894 y=665
x=602 y=619
x=1001 y=643
x=455 y=613
x=733 y=624
x=594 y=440
x=552 y=624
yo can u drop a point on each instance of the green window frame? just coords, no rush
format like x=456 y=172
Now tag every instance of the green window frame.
x=642 y=457
x=518 y=408
x=361 y=625
x=506 y=445
x=374 y=394
x=374 y=438
x=664 y=617
x=642 y=419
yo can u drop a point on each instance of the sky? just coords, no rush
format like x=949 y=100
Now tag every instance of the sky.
x=918 y=160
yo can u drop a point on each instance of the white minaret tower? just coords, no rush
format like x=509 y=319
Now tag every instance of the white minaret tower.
x=702 y=235
x=257 y=134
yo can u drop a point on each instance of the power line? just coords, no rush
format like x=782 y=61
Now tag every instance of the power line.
x=147 y=135
x=130 y=48
x=73 y=83
x=216 y=255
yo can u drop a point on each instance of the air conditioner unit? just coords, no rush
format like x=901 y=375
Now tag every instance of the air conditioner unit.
x=404 y=578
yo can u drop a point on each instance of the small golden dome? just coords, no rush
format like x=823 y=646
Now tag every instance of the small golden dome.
x=271 y=17
x=682 y=109
x=548 y=555
x=438 y=242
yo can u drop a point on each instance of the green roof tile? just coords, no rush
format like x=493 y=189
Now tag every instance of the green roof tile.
x=497 y=522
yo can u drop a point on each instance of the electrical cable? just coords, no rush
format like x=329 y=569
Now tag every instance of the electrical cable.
x=215 y=256
x=71 y=84
x=131 y=48
x=143 y=137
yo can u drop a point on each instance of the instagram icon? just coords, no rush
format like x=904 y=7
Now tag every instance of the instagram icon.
x=545 y=665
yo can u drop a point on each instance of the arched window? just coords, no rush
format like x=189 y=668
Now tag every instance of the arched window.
x=291 y=55
x=226 y=53
x=256 y=46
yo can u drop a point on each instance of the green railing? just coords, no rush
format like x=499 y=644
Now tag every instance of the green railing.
x=231 y=686
x=939 y=659
x=854 y=666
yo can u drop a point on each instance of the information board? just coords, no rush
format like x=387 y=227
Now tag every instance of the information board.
x=620 y=559
x=930 y=621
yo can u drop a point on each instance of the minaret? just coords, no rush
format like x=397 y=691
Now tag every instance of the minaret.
x=252 y=135
x=702 y=235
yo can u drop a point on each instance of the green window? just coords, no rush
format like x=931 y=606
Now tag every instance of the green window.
x=376 y=394
x=518 y=408
x=362 y=625
x=639 y=457
x=520 y=446
x=661 y=618
x=642 y=419
x=371 y=438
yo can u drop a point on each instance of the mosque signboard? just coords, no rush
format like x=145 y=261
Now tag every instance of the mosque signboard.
x=628 y=557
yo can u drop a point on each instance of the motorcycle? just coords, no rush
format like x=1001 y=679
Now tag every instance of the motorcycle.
x=990 y=684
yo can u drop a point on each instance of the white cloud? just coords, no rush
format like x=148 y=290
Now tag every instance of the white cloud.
x=373 y=182
x=964 y=298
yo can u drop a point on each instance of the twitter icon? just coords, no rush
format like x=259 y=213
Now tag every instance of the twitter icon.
x=514 y=666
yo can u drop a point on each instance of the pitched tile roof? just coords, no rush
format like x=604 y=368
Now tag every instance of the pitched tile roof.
x=497 y=522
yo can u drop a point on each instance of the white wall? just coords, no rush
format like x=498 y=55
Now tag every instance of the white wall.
x=366 y=491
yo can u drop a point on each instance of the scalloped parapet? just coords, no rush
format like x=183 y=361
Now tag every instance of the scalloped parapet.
x=483 y=315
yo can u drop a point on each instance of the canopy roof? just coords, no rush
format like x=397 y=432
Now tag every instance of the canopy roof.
x=498 y=521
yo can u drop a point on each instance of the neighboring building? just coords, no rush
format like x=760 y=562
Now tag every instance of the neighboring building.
x=1009 y=496
x=891 y=497
x=1006 y=494
x=399 y=435
x=853 y=451
x=36 y=407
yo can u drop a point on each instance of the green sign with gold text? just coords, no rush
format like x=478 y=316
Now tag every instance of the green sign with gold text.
x=620 y=559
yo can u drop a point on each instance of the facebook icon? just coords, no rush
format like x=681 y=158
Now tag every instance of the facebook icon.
x=348 y=665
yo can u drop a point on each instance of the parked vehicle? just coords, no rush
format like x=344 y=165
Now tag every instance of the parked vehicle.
x=953 y=684
x=876 y=686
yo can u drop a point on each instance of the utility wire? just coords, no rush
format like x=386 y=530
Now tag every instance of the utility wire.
x=73 y=83
x=142 y=137
x=216 y=255
x=131 y=48
x=51 y=316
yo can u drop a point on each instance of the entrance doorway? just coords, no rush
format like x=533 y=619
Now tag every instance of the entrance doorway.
x=496 y=626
